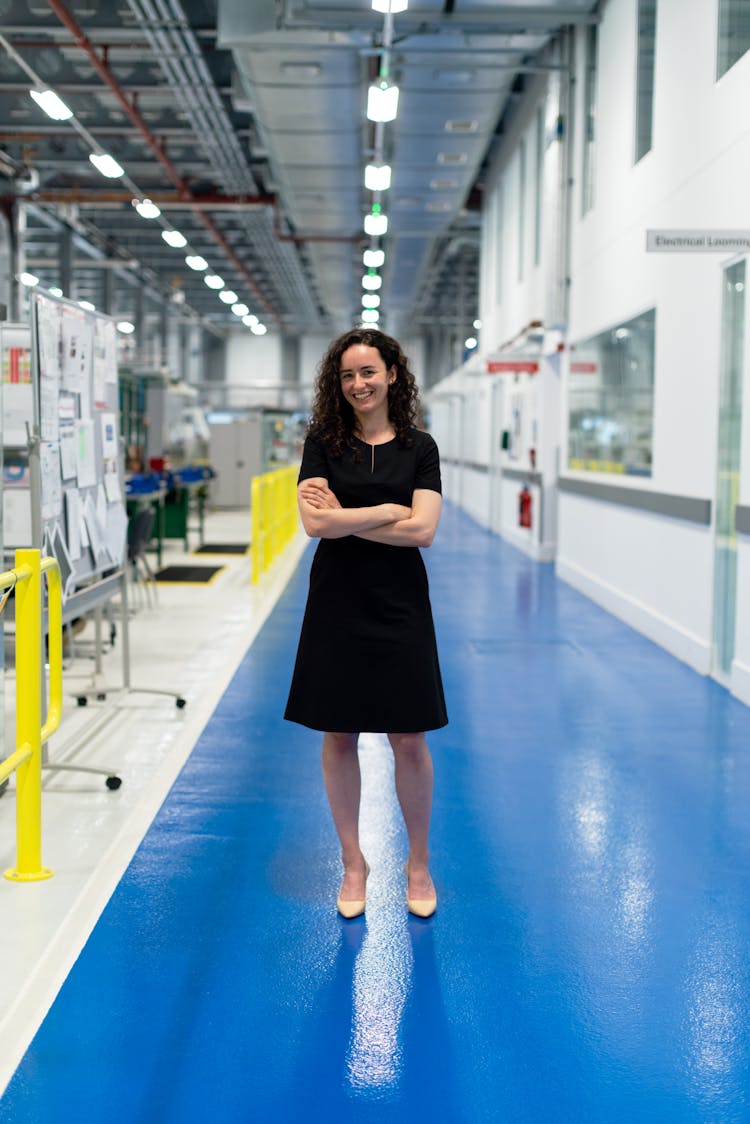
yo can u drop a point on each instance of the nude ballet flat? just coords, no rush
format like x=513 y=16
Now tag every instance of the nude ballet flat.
x=356 y=907
x=420 y=907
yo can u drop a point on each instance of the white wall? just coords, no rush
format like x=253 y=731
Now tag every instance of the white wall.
x=656 y=572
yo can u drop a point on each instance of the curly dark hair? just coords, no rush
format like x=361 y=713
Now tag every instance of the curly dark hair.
x=333 y=419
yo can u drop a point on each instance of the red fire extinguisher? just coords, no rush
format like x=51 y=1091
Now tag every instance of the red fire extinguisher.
x=524 y=507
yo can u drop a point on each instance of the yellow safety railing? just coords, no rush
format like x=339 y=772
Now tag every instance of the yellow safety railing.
x=274 y=516
x=26 y=761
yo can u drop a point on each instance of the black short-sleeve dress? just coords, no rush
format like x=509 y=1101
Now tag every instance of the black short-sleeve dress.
x=367 y=657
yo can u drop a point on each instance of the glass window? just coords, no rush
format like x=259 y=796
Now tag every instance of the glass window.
x=734 y=33
x=728 y=475
x=644 y=109
x=611 y=399
x=521 y=205
x=589 y=120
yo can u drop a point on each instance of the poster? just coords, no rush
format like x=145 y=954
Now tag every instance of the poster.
x=85 y=452
x=49 y=463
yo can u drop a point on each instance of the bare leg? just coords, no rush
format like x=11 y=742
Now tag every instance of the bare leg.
x=414 y=782
x=343 y=783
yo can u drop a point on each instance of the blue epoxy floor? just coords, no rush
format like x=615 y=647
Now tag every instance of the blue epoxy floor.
x=592 y=854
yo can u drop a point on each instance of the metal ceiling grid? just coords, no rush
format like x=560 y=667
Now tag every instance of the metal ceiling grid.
x=208 y=103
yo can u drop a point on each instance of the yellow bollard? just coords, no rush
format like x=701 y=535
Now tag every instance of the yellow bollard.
x=29 y=720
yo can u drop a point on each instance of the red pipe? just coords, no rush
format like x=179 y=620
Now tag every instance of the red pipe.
x=182 y=186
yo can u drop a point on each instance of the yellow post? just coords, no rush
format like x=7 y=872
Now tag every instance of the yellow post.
x=29 y=720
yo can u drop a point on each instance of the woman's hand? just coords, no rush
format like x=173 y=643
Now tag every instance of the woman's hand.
x=316 y=492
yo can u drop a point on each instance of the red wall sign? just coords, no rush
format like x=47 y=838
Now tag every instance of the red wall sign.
x=514 y=366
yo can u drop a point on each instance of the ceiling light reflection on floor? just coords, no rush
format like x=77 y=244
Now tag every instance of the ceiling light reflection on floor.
x=382 y=978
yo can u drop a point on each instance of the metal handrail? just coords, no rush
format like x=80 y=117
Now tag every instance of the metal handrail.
x=26 y=761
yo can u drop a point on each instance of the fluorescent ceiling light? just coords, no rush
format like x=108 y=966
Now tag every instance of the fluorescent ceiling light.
x=477 y=324
x=373 y=259
x=240 y=309
x=392 y=6
x=228 y=296
x=195 y=261
x=107 y=165
x=28 y=279
x=370 y=315
x=146 y=209
x=371 y=281
x=259 y=329
x=376 y=224
x=382 y=102
x=55 y=290
x=214 y=281
x=470 y=343
x=125 y=327
x=250 y=320
x=378 y=177
x=370 y=300
x=174 y=238
x=87 y=304
x=52 y=105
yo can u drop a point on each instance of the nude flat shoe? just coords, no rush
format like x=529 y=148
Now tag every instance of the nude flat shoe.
x=420 y=907
x=356 y=907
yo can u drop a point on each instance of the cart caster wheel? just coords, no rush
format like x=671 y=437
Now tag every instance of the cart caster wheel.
x=82 y=700
x=101 y=697
x=114 y=782
x=180 y=703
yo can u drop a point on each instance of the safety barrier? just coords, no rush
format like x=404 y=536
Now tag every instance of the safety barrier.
x=274 y=516
x=31 y=733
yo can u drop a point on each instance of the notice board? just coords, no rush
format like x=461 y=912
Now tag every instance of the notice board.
x=75 y=498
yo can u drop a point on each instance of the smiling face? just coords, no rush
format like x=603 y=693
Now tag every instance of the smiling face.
x=365 y=380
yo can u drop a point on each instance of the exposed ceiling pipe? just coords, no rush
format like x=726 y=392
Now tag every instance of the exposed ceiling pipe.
x=180 y=58
x=82 y=40
x=167 y=201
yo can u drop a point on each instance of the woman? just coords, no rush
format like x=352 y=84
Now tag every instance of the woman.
x=369 y=489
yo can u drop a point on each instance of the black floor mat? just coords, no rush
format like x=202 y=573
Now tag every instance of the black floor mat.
x=223 y=548
x=188 y=573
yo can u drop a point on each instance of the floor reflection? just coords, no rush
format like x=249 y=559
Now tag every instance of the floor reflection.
x=380 y=988
x=383 y=968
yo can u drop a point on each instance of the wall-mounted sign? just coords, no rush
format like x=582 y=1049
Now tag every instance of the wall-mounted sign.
x=698 y=241
x=512 y=366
